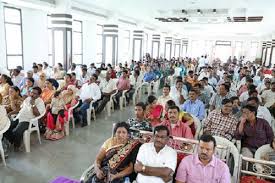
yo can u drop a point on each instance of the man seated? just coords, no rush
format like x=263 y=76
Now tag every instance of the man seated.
x=203 y=166
x=16 y=77
x=84 y=77
x=202 y=94
x=269 y=96
x=175 y=125
x=165 y=96
x=89 y=92
x=149 y=75
x=221 y=122
x=139 y=122
x=262 y=111
x=216 y=99
x=254 y=132
x=156 y=162
x=177 y=93
x=122 y=84
x=32 y=107
x=194 y=105
x=108 y=87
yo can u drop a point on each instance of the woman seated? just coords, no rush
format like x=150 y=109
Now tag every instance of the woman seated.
x=48 y=91
x=5 y=83
x=56 y=118
x=42 y=79
x=116 y=158
x=27 y=88
x=13 y=101
x=153 y=111
x=67 y=82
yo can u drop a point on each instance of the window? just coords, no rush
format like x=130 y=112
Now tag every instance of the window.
x=125 y=45
x=50 y=42
x=99 y=37
x=14 y=41
x=77 y=42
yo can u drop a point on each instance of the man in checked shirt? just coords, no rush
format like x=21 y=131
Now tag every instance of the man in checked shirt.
x=221 y=122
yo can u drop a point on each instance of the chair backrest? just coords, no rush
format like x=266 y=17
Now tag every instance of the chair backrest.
x=231 y=149
x=35 y=120
x=260 y=153
x=268 y=166
x=8 y=123
x=184 y=145
x=198 y=125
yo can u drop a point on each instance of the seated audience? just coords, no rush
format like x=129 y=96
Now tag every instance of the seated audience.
x=216 y=99
x=221 y=122
x=149 y=75
x=262 y=111
x=139 y=122
x=89 y=92
x=48 y=91
x=84 y=77
x=108 y=87
x=268 y=96
x=194 y=106
x=32 y=107
x=153 y=111
x=108 y=166
x=26 y=90
x=254 y=132
x=16 y=77
x=236 y=108
x=5 y=84
x=156 y=162
x=13 y=101
x=42 y=79
x=266 y=85
x=201 y=94
x=122 y=85
x=165 y=96
x=178 y=94
x=203 y=166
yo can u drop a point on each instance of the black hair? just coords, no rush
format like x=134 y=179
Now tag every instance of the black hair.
x=8 y=79
x=226 y=101
x=161 y=128
x=179 y=81
x=73 y=74
x=227 y=88
x=167 y=86
x=57 y=93
x=94 y=75
x=151 y=99
x=84 y=69
x=208 y=138
x=170 y=103
x=251 y=87
x=250 y=92
x=141 y=104
x=192 y=90
x=253 y=98
x=251 y=109
x=234 y=98
x=16 y=90
x=37 y=89
x=137 y=72
x=179 y=78
x=197 y=85
x=16 y=70
x=174 y=107
x=191 y=72
x=70 y=76
x=40 y=65
x=60 y=65
x=31 y=79
x=35 y=67
x=121 y=125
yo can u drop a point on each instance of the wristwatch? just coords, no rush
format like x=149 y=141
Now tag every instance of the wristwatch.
x=143 y=168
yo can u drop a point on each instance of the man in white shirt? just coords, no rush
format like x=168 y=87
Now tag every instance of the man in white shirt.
x=156 y=162
x=46 y=69
x=204 y=73
x=35 y=73
x=84 y=77
x=178 y=94
x=262 y=111
x=32 y=107
x=107 y=87
x=268 y=96
x=89 y=92
x=16 y=77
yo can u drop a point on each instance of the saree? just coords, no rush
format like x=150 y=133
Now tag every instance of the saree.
x=116 y=160
x=153 y=115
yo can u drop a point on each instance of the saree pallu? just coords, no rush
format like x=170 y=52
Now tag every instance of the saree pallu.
x=154 y=114
x=117 y=159
x=253 y=179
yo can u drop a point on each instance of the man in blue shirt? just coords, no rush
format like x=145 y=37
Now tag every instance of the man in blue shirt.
x=149 y=75
x=194 y=105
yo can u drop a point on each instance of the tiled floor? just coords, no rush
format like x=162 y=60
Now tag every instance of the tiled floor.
x=68 y=157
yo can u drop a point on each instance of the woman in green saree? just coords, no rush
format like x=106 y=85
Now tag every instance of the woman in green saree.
x=116 y=158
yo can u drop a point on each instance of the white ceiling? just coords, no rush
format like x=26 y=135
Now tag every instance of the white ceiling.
x=144 y=12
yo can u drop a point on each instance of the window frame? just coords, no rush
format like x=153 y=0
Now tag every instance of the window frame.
x=81 y=33
x=99 y=53
x=21 y=28
x=50 y=54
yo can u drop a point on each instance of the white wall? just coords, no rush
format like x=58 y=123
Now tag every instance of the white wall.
x=35 y=37
x=89 y=44
x=2 y=39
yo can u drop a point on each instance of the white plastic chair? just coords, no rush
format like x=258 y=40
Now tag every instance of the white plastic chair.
x=70 y=118
x=1 y=136
x=33 y=126
x=156 y=86
x=198 y=126
x=90 y=111
x=136 y=96
x=232 y=150
x=259 y=155
x=122 y=100
x=110 y=106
